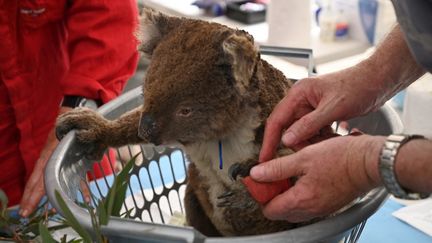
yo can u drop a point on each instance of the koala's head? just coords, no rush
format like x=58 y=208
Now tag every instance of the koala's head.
x=197 y=85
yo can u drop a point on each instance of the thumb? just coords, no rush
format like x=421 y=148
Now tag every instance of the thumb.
x=304 y=128
x=277 y=169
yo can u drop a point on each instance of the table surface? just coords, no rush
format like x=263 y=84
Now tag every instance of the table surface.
x=384 y=227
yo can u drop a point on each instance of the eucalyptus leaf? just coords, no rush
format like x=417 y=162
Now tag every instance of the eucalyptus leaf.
x=95 y=224
x=45 y=234
x=4 y=202
x=101 y=211
x=63 y=239
x=75 y=241
x=32 y=228
x=13 y=220
x=58 y=227
x=121 y=195
x=126 y=214
x=71 y=220
x=120 y=185
x=110 y=198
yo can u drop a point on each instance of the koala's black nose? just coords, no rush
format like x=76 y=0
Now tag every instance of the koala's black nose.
x=146 y=127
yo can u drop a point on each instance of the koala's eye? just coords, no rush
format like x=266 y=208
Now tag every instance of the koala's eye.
x=184 y=112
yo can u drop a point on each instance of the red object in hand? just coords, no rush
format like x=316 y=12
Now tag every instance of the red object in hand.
x=263 y=192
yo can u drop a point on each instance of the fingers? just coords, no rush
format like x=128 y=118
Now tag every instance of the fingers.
x=85 y=191
x=281 y=117
x=277 y=169
x=304 y=128
x=33 y=193
x=286 y=206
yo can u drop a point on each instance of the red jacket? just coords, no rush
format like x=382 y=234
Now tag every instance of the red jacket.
x=52 y=48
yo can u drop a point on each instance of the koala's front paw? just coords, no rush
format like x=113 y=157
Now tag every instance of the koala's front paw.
x=91 y=129
x=239 y=169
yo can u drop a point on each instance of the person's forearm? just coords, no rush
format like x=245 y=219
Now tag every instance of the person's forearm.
x=393 y=65
x=413 y=164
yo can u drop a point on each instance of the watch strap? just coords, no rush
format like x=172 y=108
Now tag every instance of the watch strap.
x=387 y=161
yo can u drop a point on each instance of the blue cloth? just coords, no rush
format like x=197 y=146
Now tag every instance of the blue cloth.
x=384 y=227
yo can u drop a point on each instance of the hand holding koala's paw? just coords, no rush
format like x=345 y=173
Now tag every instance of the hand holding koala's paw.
x=91 y=129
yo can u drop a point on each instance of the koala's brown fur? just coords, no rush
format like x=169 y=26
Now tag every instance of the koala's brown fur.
x=206 y=83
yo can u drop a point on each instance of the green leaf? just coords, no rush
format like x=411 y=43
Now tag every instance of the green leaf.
x=13 y=220
x=32 y=228
x=71 y=220
x=63 y=239
x=75 y=241
x=121 y=195
x=58 y=227
x=126 y=214
x=4 y=202
x=95 y=223
x=45 y=234
x=126 y=169
x=101 y=211
x=117 y=193
x=110 y=198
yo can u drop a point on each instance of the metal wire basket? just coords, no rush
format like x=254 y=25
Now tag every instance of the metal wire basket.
x=158 y=180
x=157 y=186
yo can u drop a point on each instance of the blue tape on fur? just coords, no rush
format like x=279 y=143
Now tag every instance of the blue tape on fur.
x=220 y=155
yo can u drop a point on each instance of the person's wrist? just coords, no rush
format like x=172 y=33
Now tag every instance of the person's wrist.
x=371 y=161
x=363 y=159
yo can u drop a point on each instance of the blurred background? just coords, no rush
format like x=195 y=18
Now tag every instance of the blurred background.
x=340 y=33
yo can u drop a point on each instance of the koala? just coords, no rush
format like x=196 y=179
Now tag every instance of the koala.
x=207 y=89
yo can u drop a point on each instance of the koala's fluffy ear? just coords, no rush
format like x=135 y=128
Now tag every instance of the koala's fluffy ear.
x=242 y=55
x=153 y=26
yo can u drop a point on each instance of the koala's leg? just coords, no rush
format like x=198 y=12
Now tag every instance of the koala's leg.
x=197 y=204
x=253 y=222
x=98 y=133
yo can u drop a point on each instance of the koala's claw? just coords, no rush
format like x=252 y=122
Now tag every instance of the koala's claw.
x=225 y=195
x=238 y=169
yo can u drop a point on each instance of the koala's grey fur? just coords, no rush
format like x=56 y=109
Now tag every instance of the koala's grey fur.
x=205 y=83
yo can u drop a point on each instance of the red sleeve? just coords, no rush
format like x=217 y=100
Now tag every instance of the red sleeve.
x=102 y=47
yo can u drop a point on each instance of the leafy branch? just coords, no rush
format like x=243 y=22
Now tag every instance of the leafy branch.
x=35 y=229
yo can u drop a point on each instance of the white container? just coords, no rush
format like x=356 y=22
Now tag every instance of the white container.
x=327 y=23
x=289 y=23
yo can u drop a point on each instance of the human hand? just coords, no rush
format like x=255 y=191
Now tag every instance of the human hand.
x=314 y=103
x=35 y=187
x=330 y=174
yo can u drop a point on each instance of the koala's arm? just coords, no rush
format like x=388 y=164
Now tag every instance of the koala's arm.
x=98 y=132
x=124 y=130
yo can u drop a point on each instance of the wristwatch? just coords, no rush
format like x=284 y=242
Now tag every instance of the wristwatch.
x=73 y=101
x=387 y=166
